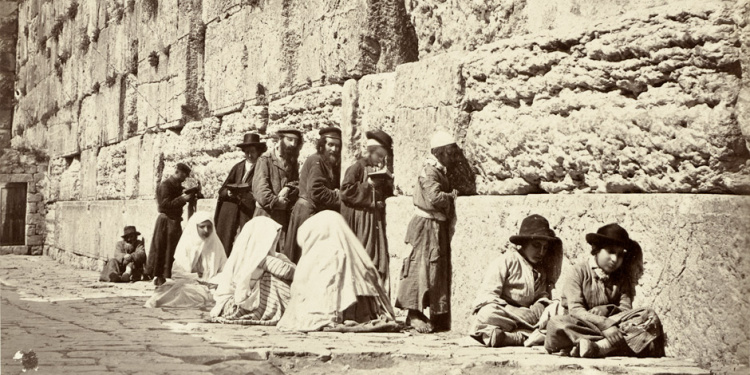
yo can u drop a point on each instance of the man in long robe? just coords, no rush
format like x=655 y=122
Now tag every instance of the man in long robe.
x=426 y=272
x=235 y=207
x=318 y=187
x=276 y=180
x=167 y=231
x=363 y=200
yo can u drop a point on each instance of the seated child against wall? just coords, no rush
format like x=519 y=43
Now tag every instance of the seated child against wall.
x=517 y=286
x=598 y=294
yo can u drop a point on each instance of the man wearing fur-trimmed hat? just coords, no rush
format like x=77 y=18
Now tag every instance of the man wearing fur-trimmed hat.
x=318 y=186
x=236 y=204
x=366 y=185
x=425 y=276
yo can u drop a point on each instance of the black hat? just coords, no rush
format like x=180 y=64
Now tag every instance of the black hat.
x=290 y=131
x=330 y=132
x=534 y=227
x=253 y=139
x=183 y=168
x=130 y=230
x=381 y=137
x=611 y=234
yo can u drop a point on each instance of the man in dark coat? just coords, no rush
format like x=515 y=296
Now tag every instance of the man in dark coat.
x=129 y=259
x=318 y=186
x=276 y=180
x=167 y=231
x=236 y=203
x=363 y=199
x=426 y=272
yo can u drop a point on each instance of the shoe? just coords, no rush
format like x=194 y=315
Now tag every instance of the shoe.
x=114 y=277
x=588 y=349
x=501 y=339
x=125 y=277
x=159 y=281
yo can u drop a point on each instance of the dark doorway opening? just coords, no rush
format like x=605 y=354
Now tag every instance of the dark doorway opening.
x=13 y=214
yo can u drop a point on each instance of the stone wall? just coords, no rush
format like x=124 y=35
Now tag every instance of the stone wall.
x=8 y=36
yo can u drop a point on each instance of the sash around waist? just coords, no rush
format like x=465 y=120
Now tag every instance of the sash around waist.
x=434 y=215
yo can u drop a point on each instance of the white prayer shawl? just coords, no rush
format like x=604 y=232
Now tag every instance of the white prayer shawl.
x=192 y=253
x=192 y=249
x=334 y=269
x=241 y=273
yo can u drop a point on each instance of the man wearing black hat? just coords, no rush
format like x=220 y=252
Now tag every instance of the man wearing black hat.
x=598 y=294
x=167 y=231
x=318 y=186
x=517 y=286
x=128 y=260
x=366 y=185
x=276 y=179
x=236 y=204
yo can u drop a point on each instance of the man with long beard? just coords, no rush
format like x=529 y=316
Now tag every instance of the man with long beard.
x=318 y=186
x=236 y=205
x=363 y=199
x=426 y=273
x=276 y=180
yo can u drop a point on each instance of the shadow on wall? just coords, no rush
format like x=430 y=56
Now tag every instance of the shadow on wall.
x=463 y=176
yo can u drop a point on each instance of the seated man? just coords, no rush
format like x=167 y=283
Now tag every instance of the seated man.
x=598 y=294
x=517 y=286
x=336 y=286
x=128 y=261
x=253 y=287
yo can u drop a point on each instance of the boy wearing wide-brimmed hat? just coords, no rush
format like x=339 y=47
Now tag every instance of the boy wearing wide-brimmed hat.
x=517 y=286
x=236 y=204
x=598 y=294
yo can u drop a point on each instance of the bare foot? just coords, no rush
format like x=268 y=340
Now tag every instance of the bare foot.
x=419 y=322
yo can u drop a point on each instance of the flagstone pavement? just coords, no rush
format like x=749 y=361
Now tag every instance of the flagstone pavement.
x=77 y=325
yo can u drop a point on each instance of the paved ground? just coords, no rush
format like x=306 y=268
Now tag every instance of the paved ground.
x=78 y=325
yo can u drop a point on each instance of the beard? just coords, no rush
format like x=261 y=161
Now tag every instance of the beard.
x=331 y=158
x=290 y=154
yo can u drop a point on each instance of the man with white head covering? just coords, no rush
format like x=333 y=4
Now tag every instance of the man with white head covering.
x=425 y=276
x=366 y=185
x=336 y=286
x=198 y=258
x=253 y=287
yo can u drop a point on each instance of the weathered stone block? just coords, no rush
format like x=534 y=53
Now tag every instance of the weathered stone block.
x=150 y=165
x=110 y=172
x=34 y=240
x=132 y=161
x=88 y=173
x=705 y=234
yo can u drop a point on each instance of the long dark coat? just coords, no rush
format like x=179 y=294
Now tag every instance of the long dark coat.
x=366 y=220
x=271 y=175
x=318 y=191
x=232 y=212
x=167 y=230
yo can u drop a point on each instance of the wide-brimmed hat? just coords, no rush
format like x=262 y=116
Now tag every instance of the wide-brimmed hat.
x=330 y=132
x=130 y=230
x=289 y=131
x=253 y=139
x=611 y=234
x=380 y=137
x=183 y=168
x=534 y=227
x=441 y=138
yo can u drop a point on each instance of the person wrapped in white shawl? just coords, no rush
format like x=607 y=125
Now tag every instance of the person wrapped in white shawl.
x=198 y=258
x=253 y=288
x=336 y=286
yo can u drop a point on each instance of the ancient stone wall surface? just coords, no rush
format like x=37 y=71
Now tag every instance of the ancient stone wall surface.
x=8 y=36
x=643 y=103
x=694 y=256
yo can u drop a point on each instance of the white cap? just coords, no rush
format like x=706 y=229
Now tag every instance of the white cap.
x=373 y=142
x=440 y=139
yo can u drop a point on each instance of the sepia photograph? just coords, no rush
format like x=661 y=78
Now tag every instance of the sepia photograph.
x=363 y=187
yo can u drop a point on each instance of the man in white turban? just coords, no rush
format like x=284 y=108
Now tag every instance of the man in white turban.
x=425 y=276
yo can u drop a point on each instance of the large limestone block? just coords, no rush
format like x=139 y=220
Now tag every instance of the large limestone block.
x=110 y=172
x=742 y=19
x=150 y=165
x=70 y=179
x=88 y=174
x=132 y=162
x=691 y=245
x=647 y=104
x=289 y=46
x=100 y=118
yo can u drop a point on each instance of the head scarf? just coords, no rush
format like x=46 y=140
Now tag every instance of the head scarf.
x=334 y=269
x=241 y=273
x=194 y=253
